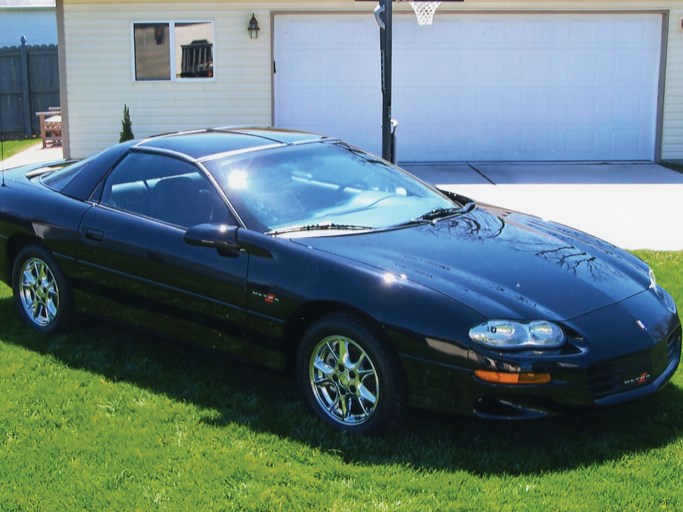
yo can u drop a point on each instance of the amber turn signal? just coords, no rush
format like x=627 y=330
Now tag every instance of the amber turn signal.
x=512 y=378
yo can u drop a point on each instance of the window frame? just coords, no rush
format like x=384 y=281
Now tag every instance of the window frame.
x=173 y=51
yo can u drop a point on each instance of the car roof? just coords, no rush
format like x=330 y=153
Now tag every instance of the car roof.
x=202 y=144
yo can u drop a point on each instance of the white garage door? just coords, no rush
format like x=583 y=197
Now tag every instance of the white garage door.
x=477 y=86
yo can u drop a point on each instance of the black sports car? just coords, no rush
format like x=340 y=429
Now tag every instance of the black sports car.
x=298 y=251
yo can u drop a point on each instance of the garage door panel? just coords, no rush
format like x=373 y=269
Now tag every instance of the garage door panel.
x=583 y=105
x=622 y=140
x=578 y=139
x=348 y=69
x=308 y=64
x=479 y=86
x=327 y=77
x=341 y=112
x=543 y=33
x=634 y=67
x=630 y=31
x=534 y=140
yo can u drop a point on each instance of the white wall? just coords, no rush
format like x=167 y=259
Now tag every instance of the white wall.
x=99 y=73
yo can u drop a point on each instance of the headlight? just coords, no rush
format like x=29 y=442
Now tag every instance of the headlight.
x=509 y=334
x=663 y=295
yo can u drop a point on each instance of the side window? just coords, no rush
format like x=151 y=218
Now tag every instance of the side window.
x=165 y=189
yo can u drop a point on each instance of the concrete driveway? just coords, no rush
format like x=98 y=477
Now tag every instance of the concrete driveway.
x=35 y=154
x=632 y=205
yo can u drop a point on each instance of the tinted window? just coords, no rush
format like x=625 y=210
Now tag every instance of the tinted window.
x=165 y=189
x=60 y=178
x=80 y=179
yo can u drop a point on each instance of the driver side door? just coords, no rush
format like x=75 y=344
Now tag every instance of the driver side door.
x=137 y=267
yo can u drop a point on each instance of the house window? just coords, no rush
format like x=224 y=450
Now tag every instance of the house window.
x=173 y=50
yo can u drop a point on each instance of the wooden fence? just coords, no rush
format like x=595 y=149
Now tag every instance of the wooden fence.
x=29 y=83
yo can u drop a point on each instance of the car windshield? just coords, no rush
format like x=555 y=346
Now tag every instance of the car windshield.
x=322 y=186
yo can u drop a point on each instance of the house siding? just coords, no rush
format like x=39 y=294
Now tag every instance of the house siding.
x=100 y=76
x=672 y=118
x=99 y=70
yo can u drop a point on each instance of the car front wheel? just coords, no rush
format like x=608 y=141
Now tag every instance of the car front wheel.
x=349 y=378
x=41 y=292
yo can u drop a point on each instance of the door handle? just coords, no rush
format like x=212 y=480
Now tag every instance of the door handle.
x=95 y=235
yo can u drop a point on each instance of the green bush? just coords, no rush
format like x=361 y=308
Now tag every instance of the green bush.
x=126 y=126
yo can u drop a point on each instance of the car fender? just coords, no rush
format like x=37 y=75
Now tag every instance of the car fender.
x=288 y=280
x=52 y=221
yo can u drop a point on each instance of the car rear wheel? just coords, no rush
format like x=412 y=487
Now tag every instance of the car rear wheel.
x=349 y=378
x=41 y=292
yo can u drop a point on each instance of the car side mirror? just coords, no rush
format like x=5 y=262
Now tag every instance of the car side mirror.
x=219 y=236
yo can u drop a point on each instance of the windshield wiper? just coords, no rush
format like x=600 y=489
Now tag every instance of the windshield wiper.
x=440 y=213
x=318 y=227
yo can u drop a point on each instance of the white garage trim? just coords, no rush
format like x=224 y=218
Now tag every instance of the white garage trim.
x=559 y=86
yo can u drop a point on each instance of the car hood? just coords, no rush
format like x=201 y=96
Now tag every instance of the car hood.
x=500 y=263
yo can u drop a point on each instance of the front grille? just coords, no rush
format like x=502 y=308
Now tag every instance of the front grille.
x=627 y=373
x=603 y=380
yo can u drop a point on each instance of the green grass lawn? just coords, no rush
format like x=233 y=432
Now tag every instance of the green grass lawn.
x=12 y=147
x=108 y=419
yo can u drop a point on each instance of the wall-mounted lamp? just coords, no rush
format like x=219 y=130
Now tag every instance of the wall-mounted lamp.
x=253 y=27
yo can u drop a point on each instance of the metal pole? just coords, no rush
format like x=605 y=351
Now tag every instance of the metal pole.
x=384 y=19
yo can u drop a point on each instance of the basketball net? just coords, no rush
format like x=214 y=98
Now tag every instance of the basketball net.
x=424 y=11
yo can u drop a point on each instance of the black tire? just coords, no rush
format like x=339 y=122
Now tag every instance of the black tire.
x=349 y=378
x=41 y=292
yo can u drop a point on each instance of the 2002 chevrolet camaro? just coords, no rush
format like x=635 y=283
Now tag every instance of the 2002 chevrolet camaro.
x=298 y=251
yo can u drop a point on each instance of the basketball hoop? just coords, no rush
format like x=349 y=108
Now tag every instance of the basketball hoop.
x=424 y=11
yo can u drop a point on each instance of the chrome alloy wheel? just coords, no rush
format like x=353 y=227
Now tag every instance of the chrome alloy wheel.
x=344 y=380
x=39 y=292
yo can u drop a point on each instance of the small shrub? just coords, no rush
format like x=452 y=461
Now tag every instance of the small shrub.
x=126 y=126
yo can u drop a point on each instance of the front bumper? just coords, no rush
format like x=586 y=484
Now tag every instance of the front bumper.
x=608 y=383
x=623 y=361
x=629 y=378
